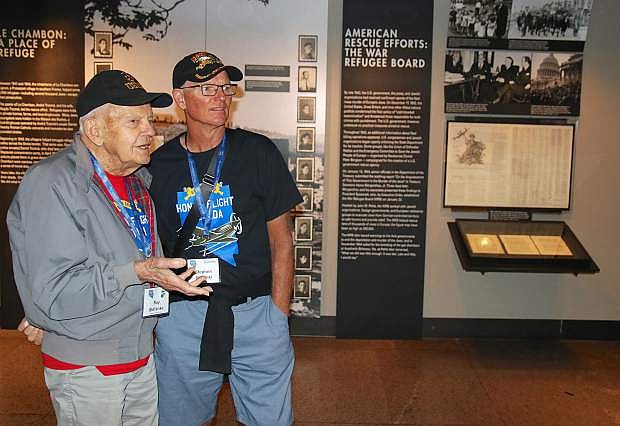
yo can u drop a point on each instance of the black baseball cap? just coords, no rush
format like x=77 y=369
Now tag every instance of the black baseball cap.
x=118 y=88
x=201 y=66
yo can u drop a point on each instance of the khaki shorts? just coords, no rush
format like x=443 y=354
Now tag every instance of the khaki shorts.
x=84 y=396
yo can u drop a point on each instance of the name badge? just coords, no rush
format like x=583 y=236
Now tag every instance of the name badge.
x=209 y=268
x=156 y=302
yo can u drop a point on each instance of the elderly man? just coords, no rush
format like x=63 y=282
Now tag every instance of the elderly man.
x=85 y=257
x=222 y=198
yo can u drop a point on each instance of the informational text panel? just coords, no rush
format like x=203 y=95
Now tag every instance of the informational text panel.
x=386 y=83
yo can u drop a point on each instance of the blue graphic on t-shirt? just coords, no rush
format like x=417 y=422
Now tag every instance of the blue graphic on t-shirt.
x=185 y=200
x=221 y=237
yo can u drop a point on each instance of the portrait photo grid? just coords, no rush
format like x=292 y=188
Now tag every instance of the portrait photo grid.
x=307 y=223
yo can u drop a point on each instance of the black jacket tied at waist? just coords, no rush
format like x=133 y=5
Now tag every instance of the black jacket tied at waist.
x=218 y=330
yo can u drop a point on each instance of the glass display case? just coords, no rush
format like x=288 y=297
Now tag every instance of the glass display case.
x=519 y=246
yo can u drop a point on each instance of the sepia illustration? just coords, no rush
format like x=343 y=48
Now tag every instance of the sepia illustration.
x=474 y=151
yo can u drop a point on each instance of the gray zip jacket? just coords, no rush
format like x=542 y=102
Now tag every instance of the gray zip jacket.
x=73 y=263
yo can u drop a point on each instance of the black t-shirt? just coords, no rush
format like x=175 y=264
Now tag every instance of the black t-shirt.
x=256 y=188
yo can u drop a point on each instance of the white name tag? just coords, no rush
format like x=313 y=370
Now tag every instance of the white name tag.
x=156 y=302
x=209 y=268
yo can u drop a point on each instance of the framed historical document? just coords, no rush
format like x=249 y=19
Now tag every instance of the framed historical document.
x=508 y=165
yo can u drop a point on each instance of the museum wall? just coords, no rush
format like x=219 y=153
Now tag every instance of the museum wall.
x=451 y=292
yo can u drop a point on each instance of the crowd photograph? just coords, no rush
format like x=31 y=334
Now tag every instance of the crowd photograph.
x=544 y=19
x=479 y=18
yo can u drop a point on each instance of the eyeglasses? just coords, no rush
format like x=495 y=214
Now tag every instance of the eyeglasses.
x=211 y=89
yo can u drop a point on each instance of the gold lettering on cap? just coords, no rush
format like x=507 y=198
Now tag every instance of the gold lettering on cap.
x=131 y=83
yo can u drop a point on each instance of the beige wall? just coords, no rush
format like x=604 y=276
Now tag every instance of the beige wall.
x=451 y=292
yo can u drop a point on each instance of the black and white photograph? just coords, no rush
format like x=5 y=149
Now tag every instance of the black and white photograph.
x=488 y=77
x=305 y=139
x=467 y=74
x=303 y=258
x=103 y=44
x=102 y=66
x=306 y=79
x=550 y=20
x=301 y=289
x=303 y=228
x=307 y=48
x=556 y=80
x=305 y=170
x=479 y=18
x=511 y=78
x=307 y=204
x=306 y=109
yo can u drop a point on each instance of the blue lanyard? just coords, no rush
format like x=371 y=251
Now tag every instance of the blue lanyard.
x=141 y=232
x=205 y=212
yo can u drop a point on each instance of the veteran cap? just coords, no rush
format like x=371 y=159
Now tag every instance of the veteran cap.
x=199 y=67
x=118 y=88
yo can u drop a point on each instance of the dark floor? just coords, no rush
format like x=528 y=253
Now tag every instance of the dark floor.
x=430 y=382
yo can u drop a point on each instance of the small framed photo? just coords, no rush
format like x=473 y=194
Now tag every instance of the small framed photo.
x=303 y=228
x=305 y=170
x=103 y=44
x=307 y=195
x=301 y=289
x=305 y=139
x=307 y=48
x=306 y=108
x=306 y=79
x=102 y=66
x=303 y=258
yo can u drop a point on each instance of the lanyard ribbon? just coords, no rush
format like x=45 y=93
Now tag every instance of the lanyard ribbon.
x=206 y=208
x=137 y=223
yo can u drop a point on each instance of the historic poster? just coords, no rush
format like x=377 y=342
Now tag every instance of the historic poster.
x=508 y=165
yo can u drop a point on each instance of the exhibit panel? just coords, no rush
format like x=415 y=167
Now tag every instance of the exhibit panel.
x=40 y=76
x=385 y=105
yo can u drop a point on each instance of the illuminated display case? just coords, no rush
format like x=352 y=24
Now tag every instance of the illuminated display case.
x=519 y=246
